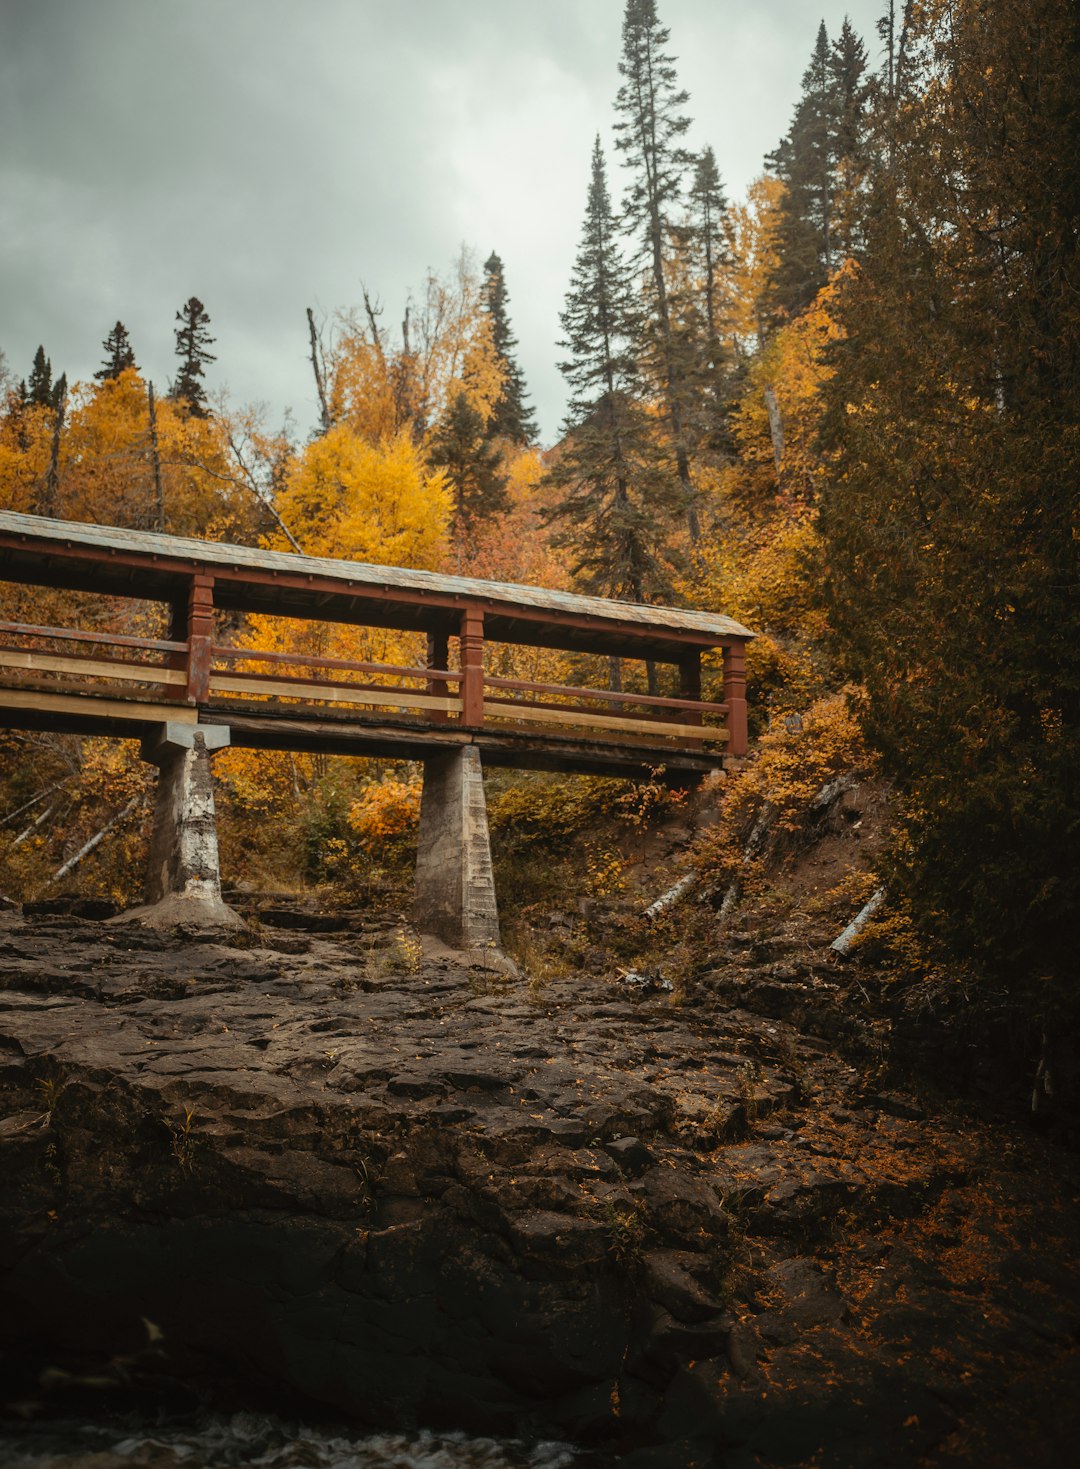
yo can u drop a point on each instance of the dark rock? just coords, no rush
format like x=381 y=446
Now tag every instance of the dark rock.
x=809 y=1297
x=630 y=1155
x=683 y=1206
x=308 y=922
x=669 y=1280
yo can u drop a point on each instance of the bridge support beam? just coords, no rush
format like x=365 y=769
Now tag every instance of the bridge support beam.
x=455 y=888
x=184 y=880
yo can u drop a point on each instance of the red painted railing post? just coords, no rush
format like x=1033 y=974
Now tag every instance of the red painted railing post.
x=200 y=635
x=472 y=669
x=690 y=687
x=735 y=695
x=438 y=656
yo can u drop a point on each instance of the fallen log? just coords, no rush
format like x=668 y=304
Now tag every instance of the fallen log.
x=667 y=900
x=843 y=944
x=95 y=840
x=756 y=840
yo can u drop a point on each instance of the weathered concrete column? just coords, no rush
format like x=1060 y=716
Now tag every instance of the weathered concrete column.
x=184 y=879
x=455 y=887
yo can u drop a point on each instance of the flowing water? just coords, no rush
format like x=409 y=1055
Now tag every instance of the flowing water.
x=216 y=1441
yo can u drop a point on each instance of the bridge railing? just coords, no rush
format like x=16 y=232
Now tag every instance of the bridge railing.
x=311 y=679
x=64 y=659
x=70 y=660
x=605 y=711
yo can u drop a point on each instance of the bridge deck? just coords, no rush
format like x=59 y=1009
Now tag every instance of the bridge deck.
x=115 y=682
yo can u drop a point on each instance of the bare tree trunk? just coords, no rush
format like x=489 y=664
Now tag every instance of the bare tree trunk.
x=615 y=675
x=842 y=945
x=95 y=840
x=776 y=429
x=316 y=366
x=373 y=313
x=33 y=826
x=33 y=801
x=668 y=900
x=155 y=459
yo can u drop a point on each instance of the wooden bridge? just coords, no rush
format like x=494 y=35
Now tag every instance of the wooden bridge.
x=192 y=689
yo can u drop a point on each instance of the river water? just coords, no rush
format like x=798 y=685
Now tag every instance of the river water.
x=228 y=1441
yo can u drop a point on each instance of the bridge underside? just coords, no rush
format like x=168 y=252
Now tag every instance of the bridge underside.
x=334 y=733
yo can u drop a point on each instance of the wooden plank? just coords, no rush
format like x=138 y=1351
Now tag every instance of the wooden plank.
x=91 y=667
x=602 y=721
x=332 y=693
x=608 y=695
x=316 y=681
x=131 y=711
x=76 y=635
x=238 y=655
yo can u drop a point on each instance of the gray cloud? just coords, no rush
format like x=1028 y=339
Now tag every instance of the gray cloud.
x=267 y=156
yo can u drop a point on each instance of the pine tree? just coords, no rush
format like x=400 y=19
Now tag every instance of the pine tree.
x=513 y=418
x=651 y=123
x=949 y=517
x=119 y=354
x=461 y=447
x=39 y=389
x=850 y=142
x=805 y=162
x=707 y=233
x=192 y=342
x=617 y=497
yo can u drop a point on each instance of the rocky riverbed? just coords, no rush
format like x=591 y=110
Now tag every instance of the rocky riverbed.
x=322 y=1167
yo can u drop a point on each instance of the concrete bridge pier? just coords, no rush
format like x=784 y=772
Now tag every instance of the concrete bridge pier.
x=184 y=879
x=454 y=898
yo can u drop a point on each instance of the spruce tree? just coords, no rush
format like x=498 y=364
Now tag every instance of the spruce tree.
x=119 y=354
x=804 y=161
x=513 y=418
x=850 y=144
x=461 y=447
x=707 y=241
x=617 y=497
x=192 y=343
x=39 y=389
x=649 y=130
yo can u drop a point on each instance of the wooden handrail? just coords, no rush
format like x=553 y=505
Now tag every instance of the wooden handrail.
x=69 y=634
x=330 y=684
x=503 y=705
x=693 y=706
x=238 y=655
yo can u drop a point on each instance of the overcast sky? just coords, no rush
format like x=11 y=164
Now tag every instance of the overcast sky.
x=268 y=155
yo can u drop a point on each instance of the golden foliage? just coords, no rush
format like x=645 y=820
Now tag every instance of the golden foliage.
x=387 y=810
x=348 y=498
x=793 y=762
x=753 y=242
x=379 y=390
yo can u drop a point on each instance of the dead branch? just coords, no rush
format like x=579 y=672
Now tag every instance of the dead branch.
x=33 y=801
x=374 y=311
x=316 y=365
x=242 y=484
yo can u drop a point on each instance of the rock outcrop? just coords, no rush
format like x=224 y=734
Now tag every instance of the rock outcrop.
x=413 y=1192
